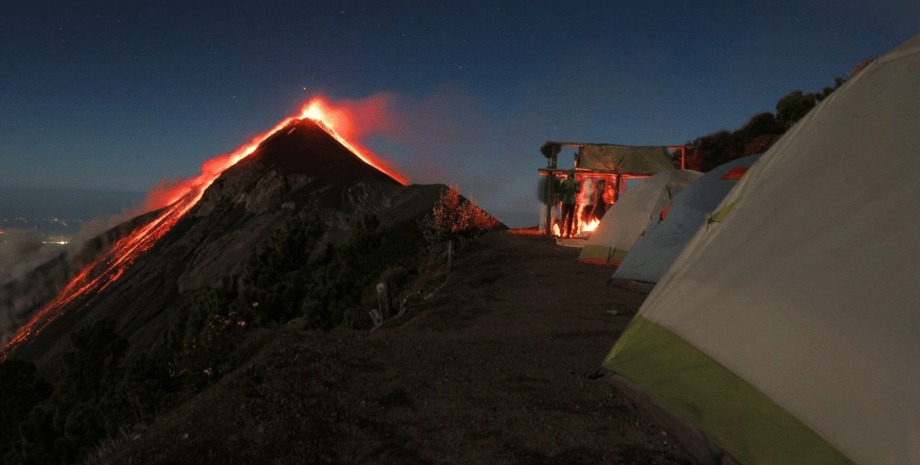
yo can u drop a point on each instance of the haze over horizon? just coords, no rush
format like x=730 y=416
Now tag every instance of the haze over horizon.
x=113 y=96
x=68 y=203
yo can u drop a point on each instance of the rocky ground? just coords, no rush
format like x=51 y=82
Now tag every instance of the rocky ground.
x=500 y=366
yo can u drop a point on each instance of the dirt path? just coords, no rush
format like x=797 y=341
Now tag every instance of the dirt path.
x=497 y=367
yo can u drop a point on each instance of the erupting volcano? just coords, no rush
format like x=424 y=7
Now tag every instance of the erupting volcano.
x=303 y=153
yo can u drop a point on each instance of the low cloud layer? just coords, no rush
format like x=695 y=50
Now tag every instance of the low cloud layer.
x=24 y=290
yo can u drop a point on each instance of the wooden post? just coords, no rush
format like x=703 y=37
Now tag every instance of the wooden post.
x=450 y=255
x=383 y=301
x=549 y=199
x=551 y=202
x=683 y=155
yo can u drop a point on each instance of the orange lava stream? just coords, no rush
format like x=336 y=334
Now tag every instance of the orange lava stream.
x=335 y=121
x=110 y=266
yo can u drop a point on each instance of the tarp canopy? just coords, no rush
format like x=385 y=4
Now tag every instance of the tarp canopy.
x=625 y=158
x=788 y=330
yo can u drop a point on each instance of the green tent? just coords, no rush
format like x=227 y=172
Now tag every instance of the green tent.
x=626 y=220
x=788 y=329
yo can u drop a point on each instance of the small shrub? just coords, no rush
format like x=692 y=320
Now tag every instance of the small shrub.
x=95 y=361
x=143 y=392
x=20 y=392
x=794 y=106
x=211 y=353
x=455 y=216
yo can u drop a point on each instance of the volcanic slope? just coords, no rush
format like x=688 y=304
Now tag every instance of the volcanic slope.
x=500 y=365
x=299 y=171
x=22 y=298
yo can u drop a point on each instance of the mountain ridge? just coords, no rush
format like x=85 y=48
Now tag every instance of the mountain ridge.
x=299 y=171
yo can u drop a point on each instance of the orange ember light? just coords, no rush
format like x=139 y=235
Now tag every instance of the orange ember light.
x=526 y=232
x=581 y=227
x=179 y=198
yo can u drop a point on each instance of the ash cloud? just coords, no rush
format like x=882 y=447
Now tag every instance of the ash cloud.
x=33 y=272
x=450 y=136
x=489 y=145
x=21 y=251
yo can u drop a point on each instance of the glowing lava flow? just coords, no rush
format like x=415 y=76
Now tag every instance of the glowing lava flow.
x=336 y=122
x=180 y=199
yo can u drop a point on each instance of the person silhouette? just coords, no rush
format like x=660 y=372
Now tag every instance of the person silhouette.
x=568 y=194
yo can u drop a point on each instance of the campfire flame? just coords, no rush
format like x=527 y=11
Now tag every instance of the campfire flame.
x=590 y=226
x=179 y=198
x=580 y=227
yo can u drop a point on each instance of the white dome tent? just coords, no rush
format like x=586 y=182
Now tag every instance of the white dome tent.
x=667 y=234
x=625 y=221
x=789 y=330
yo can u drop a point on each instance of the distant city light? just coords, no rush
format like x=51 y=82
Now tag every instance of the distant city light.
x=48 y=230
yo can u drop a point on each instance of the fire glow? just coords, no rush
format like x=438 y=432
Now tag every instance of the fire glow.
x=340 y=125
x=582 y=226
x=178 y=199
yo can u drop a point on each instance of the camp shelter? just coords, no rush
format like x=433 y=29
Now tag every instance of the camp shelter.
x=606 y=167
x=612 y=158
x=627 y=219
x=667 y=233
x=788 y=329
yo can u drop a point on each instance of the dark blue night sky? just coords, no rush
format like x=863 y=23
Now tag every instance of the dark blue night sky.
x=121 y=95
